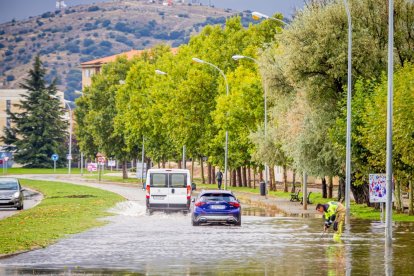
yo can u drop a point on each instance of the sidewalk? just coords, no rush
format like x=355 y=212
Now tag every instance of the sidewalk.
x=282 y=205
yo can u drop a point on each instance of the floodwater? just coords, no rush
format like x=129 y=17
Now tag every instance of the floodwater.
x=266 y=244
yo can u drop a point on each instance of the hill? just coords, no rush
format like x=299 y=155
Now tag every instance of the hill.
x=65 y=38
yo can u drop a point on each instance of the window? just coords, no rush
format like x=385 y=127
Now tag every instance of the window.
x=87 y=73
x=178 y=180
x=8 y=122
x=158 y=180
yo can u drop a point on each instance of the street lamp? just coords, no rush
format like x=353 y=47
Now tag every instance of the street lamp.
x=81 y=161
x=227 y=133
x=70 y=136
x=159 y=72
x=388 y=210
x=258 y=15
x=348 y=121
x=237 y=57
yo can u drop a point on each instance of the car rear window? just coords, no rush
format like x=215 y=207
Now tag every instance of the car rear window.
x=217 y=197
x=158 y=180
x=178 y=180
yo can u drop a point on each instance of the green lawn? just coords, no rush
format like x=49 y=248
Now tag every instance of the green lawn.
x=112 y=178
x=66 y=209
x=41 y=171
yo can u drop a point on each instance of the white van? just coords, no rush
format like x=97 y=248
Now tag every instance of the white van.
x=168 y=189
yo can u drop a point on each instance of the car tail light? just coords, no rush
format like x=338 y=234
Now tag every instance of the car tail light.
x=199 y=203
x=188 y=192
x=148 y=191
x=234 y=204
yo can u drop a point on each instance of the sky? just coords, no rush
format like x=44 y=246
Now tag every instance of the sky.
x=21 y=9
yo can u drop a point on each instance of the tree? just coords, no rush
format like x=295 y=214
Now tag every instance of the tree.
x=38 y=130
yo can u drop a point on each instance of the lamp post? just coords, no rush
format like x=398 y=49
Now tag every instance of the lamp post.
x=348 y=121
x=159 y=72
x=388 y=209
x=237 y=57
x=81 y=161
x=70 y=136
x=227 y=133
x=258 y=15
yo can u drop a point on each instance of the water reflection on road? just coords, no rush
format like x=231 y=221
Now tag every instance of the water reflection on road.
x=168 y=244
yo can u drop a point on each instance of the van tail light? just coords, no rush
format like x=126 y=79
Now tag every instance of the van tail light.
x=147 y=195
x=188 y=192
x=199 y=203
x=234 y=204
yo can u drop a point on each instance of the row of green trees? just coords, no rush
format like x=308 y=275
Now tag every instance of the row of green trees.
x=307 y=75
x=127 y=102
x=304 y=68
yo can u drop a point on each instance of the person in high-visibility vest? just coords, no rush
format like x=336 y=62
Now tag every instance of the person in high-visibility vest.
x=333 y=213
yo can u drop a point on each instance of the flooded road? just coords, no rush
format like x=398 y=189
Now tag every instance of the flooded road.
x=167 y=244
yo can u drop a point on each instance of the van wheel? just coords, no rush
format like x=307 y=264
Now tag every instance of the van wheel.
x=149 y=212
x=238 y=223
x=185 y=212
x=20 y=207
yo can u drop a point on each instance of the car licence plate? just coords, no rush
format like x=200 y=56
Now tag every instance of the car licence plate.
x=218 y=207
x=158 y=196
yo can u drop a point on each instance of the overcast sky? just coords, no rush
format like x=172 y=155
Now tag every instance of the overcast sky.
x=21 y=9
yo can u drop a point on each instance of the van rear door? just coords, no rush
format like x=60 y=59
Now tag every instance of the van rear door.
x=159 y=190
x=178 y=189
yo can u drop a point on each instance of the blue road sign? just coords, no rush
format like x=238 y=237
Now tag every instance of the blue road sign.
x=55 y=157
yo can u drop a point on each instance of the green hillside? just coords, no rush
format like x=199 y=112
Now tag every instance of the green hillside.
x=66 y=38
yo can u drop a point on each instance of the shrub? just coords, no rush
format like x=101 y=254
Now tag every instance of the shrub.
x=106 y=44
x=10 y=78
x=1 y=45
x=124 y=40
x=8 y=53
x=93 y=8
x=88 y=42
x=47 y=15
x=106 y=23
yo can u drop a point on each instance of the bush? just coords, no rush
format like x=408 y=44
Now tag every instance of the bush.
x=88 y=42
x=8 y=53
x=18 y=39
x=1 y=45
x=106 y=44
x=124 y=40
x=10 y=78
x=106 y=23
x=47 y=15
x=123 y=27
x=93 y=8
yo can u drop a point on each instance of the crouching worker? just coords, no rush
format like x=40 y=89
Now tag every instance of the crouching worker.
x=333 y=213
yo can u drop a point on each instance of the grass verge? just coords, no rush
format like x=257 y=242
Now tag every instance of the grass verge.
x=65 y=209
x=359 y=211
x=41 y=171
x=113 y=178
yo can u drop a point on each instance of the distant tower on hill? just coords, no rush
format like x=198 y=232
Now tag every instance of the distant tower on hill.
x=60 y=4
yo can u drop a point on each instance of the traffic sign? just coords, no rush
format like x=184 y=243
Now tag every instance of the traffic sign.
x=101 y=159
x=92 y=167
x=69 y=157
x=55 y=157
x=6 y=158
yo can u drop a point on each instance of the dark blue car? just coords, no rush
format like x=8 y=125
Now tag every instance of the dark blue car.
x=216 y=206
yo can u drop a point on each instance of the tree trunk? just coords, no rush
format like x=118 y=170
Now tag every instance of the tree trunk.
x=410 y=198
x=192 y=169
x=234 y=178
x=285 y=184
x=272 y=179
x=260 y=175
x=249 y=177
x=244 y=175
x=293 y=181
x=124 y=170
x=239 y=177
x=209 y=173
x=180 y=166
x=163 y=162
x=360 y=193
x=213 y=174
x=203 y=180
x=254 y=178
x=324 y=190
x=341 y=189
x=330 y=186
x=398 y=202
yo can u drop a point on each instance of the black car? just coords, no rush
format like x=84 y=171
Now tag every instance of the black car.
x=11 y=193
